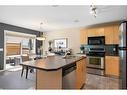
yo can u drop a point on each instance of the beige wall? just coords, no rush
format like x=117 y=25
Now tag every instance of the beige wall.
x=73 y=36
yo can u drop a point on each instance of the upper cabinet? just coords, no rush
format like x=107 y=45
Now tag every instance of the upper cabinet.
x=83 y=36
x=116 y=34
x=110 y=32
x=109 y=35
x=95 y=32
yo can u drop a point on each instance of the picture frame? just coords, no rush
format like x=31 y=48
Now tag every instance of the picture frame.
x=60 y=43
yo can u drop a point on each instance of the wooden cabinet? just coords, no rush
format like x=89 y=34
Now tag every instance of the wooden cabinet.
x=91 y=32
x=100 y=31
x=83 y=36
x=116 y=34
x=111 y=34
x=80 y=73
x=49 y=79
x=95 y=32
x=112 y=65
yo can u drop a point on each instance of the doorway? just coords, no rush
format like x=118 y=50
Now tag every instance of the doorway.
x=17 y=45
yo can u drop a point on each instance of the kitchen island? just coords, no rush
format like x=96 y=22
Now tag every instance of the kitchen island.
x=50 y=71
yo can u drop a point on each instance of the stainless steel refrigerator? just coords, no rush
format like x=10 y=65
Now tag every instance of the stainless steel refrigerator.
x=123 y=54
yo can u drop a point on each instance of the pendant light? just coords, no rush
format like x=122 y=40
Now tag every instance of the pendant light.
x=41 y=37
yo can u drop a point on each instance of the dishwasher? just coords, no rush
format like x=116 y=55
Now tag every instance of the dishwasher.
x=69 y=76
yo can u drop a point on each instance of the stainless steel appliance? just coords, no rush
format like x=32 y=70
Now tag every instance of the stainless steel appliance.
x=123 y=54
x=69 y=76
x=95 y=65
x=95 y=52
x=95 y=59
x=95 y=62
x=96 y=40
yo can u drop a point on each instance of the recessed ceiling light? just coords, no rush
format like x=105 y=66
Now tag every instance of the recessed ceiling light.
x=76 y=20
x=55 y=5
x=41 y=23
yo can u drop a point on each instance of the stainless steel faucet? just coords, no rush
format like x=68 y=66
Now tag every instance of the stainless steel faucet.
x=66 y=53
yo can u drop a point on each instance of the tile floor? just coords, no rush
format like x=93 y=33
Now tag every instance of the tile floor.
x=13 y=80
x=101 y=82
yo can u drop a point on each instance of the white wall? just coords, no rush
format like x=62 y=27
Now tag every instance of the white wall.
x=73 y=36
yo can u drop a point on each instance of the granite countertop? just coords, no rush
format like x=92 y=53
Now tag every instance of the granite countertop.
x=52 y=62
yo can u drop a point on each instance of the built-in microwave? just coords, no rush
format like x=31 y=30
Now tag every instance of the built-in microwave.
x=96 y=40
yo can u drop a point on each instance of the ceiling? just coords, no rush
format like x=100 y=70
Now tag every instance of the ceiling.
x=59 y=17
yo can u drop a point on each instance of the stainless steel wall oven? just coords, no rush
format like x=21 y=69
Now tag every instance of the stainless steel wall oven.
x=95 y=62
x=95 y=59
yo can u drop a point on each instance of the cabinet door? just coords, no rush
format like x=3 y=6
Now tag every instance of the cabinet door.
x=84 y=70
x=83 y=36
x=99 y=32
x=95 y=32
x=116 y=34
x=80 y=73
x=112 y=65
x=91 y=32
x=109 y=34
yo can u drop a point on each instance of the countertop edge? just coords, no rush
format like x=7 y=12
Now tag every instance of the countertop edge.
x=54 y=69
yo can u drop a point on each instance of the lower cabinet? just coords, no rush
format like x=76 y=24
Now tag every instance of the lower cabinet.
x=112 y=67
x=80 y=73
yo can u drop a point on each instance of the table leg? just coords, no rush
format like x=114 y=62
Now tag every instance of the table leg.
x=22 y=71
x=27 y=71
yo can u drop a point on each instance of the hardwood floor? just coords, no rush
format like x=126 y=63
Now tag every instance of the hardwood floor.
x=13 y=80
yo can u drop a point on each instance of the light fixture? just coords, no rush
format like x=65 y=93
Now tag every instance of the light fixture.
x=93 y=10
x=41 y=37
x=76 y=20
x=55 y=5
